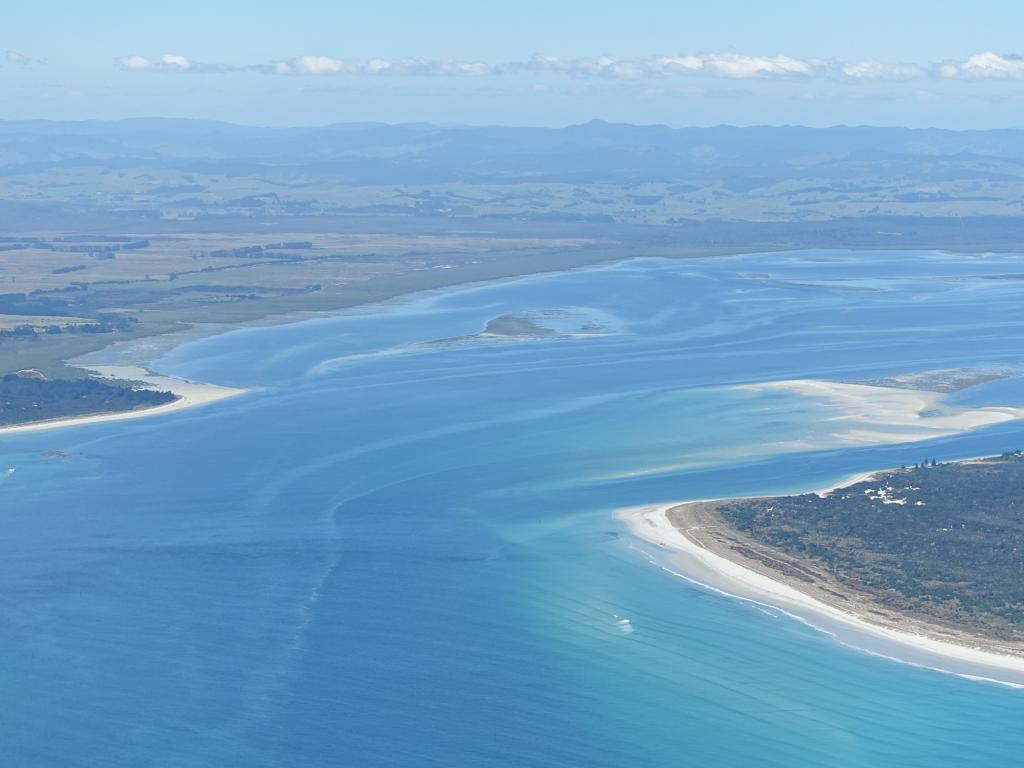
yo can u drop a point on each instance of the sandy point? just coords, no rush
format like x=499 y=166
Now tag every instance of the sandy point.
x=188 y=394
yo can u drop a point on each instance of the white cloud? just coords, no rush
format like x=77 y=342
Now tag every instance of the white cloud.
x=325 y=65
x=175 y=61
x=986 y=65
x=13 y=57
x=671 y=65
x=169 y=62
x=877 y=70
x=729 y=65
x=732 y=66
x=726 y=65
x=315 y=65
x=379 y=66
x=471 y=68
x=602 y=66
x=136 y=63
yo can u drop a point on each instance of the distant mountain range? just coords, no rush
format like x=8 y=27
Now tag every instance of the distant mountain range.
x=595 y=152
x=705 y=185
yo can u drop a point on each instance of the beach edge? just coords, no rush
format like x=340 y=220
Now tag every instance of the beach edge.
x=187 y=394
x=691 y=560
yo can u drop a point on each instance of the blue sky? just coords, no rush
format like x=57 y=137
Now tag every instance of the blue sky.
x=949 y=64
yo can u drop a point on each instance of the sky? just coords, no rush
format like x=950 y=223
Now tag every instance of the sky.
x=901 y=62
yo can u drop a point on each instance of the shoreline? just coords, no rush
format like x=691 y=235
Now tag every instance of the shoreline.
x=897 y=638
x=134 y=354
x=188 y=394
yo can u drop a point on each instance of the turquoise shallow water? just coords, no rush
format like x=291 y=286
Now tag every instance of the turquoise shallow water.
x=390 y=554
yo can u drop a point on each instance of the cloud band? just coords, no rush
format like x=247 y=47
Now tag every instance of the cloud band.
x=987 y=65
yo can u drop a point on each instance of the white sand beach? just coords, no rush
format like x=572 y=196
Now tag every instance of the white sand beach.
x=188 y=394
x=907 y=643
x=870 y=415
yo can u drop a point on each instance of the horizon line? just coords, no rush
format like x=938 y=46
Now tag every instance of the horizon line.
x=513 y=126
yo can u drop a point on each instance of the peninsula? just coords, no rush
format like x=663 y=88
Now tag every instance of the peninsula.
x=111 y=393
x=930 y=556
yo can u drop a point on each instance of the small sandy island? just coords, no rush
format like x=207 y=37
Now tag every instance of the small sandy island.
x=188 y=394
x=701 y=549
x=872 y=414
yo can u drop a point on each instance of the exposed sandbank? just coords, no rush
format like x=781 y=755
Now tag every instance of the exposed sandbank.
x=875 y=415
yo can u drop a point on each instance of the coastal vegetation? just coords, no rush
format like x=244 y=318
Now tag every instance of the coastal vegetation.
x=938 y=541
x=26 y=399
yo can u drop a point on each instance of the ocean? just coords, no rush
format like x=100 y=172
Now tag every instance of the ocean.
x=399 y=547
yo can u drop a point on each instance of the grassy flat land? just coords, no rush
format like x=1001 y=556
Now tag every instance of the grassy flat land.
x=39 y=322
x=230 y=259
x=184 y=171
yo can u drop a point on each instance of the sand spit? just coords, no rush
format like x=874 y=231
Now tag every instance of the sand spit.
x=188 y=394
x=678 y=530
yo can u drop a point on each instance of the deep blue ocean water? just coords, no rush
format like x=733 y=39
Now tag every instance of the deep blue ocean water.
x=395 y=553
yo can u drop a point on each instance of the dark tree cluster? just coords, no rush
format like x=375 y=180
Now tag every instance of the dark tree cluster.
x=945 y=540
x=120 y=323
x=260 y=250
x=25 y=400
